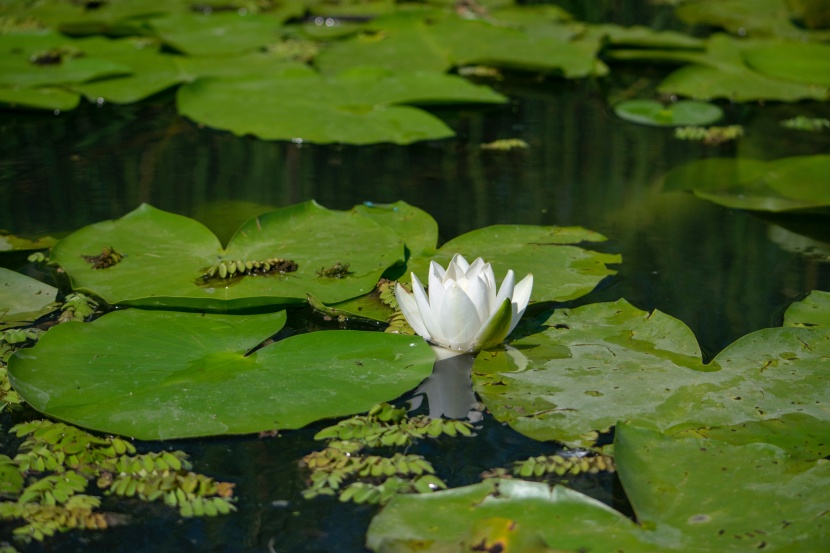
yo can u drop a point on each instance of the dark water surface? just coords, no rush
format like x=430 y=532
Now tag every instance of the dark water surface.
x=723 y=272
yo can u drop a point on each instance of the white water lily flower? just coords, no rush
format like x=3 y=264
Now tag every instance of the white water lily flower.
x=463 y=312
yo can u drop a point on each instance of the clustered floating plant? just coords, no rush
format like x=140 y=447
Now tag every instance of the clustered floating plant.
x=343 y=469
x=56 y=463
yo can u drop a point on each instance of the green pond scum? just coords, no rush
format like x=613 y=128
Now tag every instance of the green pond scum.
x=132 y=340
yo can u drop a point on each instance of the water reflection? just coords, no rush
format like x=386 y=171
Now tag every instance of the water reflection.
x=449 y=390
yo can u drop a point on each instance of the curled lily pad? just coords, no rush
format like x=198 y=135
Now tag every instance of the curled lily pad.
x=23 y=299
x=166 y=259
x=163 y=375
x=684 y=112
x=814 y=310
x=595 y=365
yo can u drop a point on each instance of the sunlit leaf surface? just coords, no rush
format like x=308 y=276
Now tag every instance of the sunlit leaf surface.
x=601 y=363
x=561 y=270
x=23 y=299
x=700 y=494
x=162 y=375
x=165 y=257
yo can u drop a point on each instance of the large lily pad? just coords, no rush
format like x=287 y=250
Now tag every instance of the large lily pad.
x=164 y=375
x=23 y=299
x=601 y=363
x=785 y=184
x=359 y=107
x=670 y=483
x=165 y=256
x=433 y=40
x=502 y=515
x=561 y=270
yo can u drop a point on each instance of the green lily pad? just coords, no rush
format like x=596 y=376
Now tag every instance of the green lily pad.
x=722 y=72
x=433 y=40
x=682 y=113
x=50 y=98
x=814 y=310
x=806 y=63
x=23 y=300
x=752 y=18
x=415 y=226
x=601 y=363
x=786 y=184
x=502 y=515
x=698 y=494
x=356 y=108
x=151 y=72
x=562 y=270
x=222 y=32
x=163 y=375
x=46 y=58
x=9 y=242
x=165 y=256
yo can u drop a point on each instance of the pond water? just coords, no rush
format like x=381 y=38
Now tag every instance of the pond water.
x=723 y=272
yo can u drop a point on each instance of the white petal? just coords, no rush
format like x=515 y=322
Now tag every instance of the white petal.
x=435 y=268
x=495 y=329
x=458 y=319
x=475 y=268
x=427 y=316
x=490 y=278
x=521 y=296
x=436 y=290
x=506 y=290
x=459 y=260
x=478 y=294
x=409 y=308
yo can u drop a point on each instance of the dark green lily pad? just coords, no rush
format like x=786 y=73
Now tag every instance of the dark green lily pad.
x=165 y=256
x=23 y=300
x=699 y=494
x=682 y=113
x=162 y=375
x=223 y=32
x=435 y=40
x=502 y=515
x=786 y=184
x=751 y=18
x=356 y=108
x=601 y=363
x=721 y=72
x=39 y=98
x=814 y=310
x=561 y=269
x=806 y=63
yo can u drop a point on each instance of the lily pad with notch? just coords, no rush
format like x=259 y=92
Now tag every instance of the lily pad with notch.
x=158 y=375
x=171 y=261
